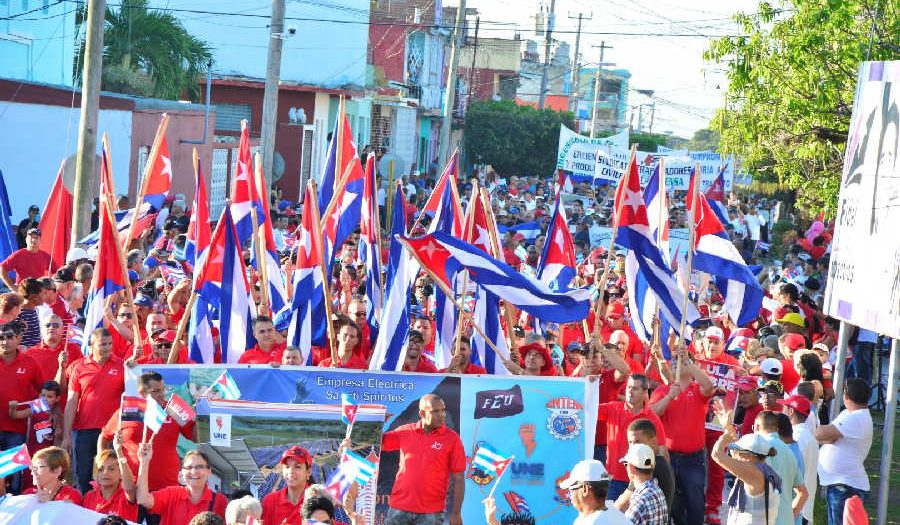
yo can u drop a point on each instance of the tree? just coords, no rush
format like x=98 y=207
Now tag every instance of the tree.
x=148 y=53
x=792 y=76
x=704 y=140
x=515 y=140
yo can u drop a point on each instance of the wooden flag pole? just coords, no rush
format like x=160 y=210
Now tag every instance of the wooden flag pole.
x=690 y=262
x=136 y=329
x=326 y=280
x=260 y=240
x=495 y=244
x=148 y=169
x=182 y=326
x=469 y=224
x=389 y=199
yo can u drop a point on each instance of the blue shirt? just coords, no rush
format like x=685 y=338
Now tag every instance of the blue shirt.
x=785 y=464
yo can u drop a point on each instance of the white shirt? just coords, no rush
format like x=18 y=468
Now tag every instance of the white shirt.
x=753 y=222
x=809 y=447
x=841 y=462
x=610 y=516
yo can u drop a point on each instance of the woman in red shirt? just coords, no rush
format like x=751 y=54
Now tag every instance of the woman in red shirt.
x=177 y=505
x=115 y=485
x=49 y=468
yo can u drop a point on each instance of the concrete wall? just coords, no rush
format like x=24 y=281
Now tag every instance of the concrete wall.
x=38 y=46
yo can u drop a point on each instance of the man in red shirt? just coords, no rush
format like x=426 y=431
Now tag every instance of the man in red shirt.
x=461 y=362
x=347 y=337
x=788 y=344
x=161 y=342
x=613 y=371
x=46 y=354
x=430 y=456
x=682 y=407
x=21 y=380
x=96 y=383
x=415 y=361
x=282 y=507
x=615 y=321
x=748 y=400
x=63 y=282
x=268 y=349
x=357 y=312
x=422 y=324
x=29 y=261
x=164 y=465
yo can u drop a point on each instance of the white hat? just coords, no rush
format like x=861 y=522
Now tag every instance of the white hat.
x=75 y=254
x=585 y=471
x=640 y=456
x=771 y=366
x=714 y=332
x=753 y=443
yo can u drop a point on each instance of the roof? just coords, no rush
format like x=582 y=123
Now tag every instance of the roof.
x=259 y=83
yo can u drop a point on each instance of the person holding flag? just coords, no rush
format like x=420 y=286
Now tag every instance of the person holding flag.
x=115 y=485
x=178 y=504
x=21 y=379
x=282 y=507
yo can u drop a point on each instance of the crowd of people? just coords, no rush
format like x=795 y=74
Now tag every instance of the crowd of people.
x=733 y=426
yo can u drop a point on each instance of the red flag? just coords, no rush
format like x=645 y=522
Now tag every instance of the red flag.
x=132 y=408
x=56 y=224
x=159 y=180
x=180 y=410
x=630 y=199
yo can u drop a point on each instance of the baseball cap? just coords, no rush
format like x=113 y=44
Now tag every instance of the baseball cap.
x=640 y=456
x=772 y=386
x=588 y=470
x=163 y=335
x=616 y=310
x=747 y=383
x=797 y=402
x=34 y=231
x=794 y=341
x=793 y=318
x=63 y=275
x=714 y=332
x=754 y=443
x=143 y=300
x=298 y=454
x=771 y=366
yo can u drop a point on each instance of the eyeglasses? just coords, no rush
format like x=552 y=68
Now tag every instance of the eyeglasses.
x=195 y=467
x=126 y=315
x=7 y=335
x=35 y=468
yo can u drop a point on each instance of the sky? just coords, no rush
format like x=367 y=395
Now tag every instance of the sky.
x=687 y=88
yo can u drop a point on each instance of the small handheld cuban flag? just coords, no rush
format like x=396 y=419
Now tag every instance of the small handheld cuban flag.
x=14 y=460
x=38 y=406
x=348 y=409
x=491 y=461
x=154 y=415
x=226 y=386
x=352 y=468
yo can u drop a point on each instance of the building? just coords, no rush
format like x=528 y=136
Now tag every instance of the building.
x=489 y=69
x=611 y=102
x=532 y=70
x=37 y=41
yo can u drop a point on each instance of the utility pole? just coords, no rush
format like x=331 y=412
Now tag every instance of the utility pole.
x=472 y=69
x=652 y=113
x=270 y=95
x=573 y=89
x=551 y=17
x=450 y=92
x=603 y=47
x=87 y=127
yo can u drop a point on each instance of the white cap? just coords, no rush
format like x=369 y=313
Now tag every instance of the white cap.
x=585 y=471
x=640 y=456
x=714 y=332
x=771 y=366
x=753 y=443
x=75 y=254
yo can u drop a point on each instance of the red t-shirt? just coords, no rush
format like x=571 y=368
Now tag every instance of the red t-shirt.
x=66 y=493
x=789 y=376
x=62 y=310
x=99 y=388
x=749 y=417
x=165 y=464
x=258 y=356
x=355 y=363
x=21 y=380
x=424 y=365
x=472 y=368
x=124 y=347
x=118 y=504
x=175 y=507
x=617 y=418
x=609 y=391
x=28 y=264
x=426 y=462
x=278 y=509
x=47 y=359
x=684 y=418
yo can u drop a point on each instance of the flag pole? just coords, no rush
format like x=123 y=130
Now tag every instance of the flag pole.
x=469 y=223
x=662 y=216
x=260 y=238
x=323 y=266
x=497 y=481
x=377 y=232
x=148 y=169
x=453 y=158
x=692 y=235
x=136 y=331
x=495 y=244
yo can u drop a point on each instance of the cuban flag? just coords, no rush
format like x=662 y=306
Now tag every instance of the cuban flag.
x=490 y=460
x=437 y=206
x=645 y=260
x=563 y=182
x=487 y=305
x=556 y=267
x=158 y=175
x=398 y=227
x=715 y=195
x=348 y=409
x=445 y=255
x=224 y=293
x=244 y=196
x=390 y=345
x=530 y=230
x=199 y=232
x=154 y=415
x=13 y=460
x=109 y=274
x=277 y=289
x=716 y=255
x=447 y=219
x=516 y=502
x=370 y=249
x=308 y=301
x=342 y=212
x=146 y=219
x=353 y=468
x=226 y=386
x=38 y=406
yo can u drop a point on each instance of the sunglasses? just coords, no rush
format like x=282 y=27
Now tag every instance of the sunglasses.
x=126 y=315
x=164 y=345
x=7 y=335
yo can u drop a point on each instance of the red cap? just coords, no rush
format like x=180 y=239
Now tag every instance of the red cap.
x=747 y=383
x=745 y=332
x=298 y=454
x=541 y=349
x=160 y=336
x=518 y=237
x=616 y=310
x=797 y=402
x=794 y=341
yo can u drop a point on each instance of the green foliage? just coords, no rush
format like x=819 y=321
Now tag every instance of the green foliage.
x=515 y=140
x=792 y=77
x=149 y=53
x=648 y=141
x=703 y=140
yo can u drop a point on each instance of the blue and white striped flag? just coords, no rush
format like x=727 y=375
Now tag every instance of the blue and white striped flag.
x=491 y=460
x=14 y=460
x=154 y=415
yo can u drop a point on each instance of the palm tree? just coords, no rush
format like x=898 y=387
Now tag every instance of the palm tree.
x=148 y=53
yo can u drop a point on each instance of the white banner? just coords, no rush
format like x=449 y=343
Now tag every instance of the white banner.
x=26 y=510
x=864 y=277
x=611 y=164
x=578 y=154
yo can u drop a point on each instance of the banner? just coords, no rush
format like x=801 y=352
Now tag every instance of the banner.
x=546 y=417
x=864 y=276
x=724 y=378
x=578 y=154
x=18 y=510
x=611 y=164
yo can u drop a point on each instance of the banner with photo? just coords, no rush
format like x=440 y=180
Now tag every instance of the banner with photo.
x=279 y=407
x=724 y=378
